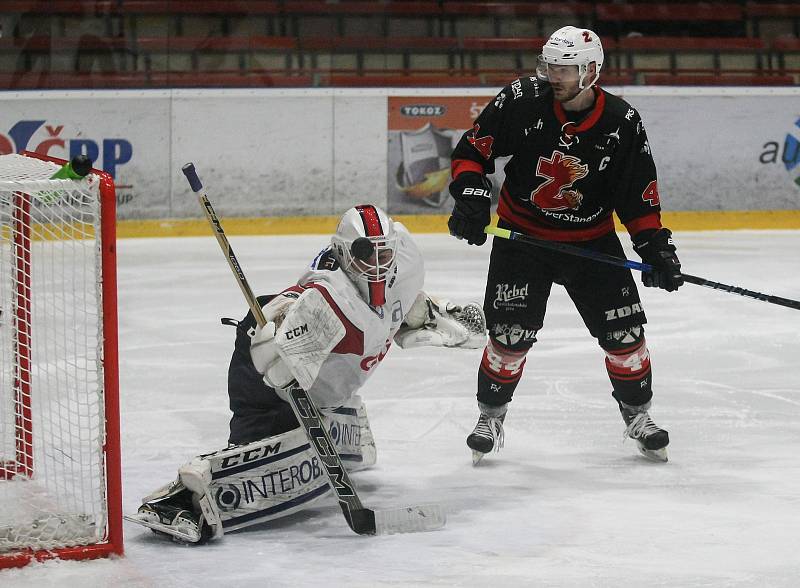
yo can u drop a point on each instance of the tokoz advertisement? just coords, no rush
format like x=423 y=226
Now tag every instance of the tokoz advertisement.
x=423 y=130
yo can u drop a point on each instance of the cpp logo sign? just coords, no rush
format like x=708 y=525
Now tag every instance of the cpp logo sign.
x=36 y=135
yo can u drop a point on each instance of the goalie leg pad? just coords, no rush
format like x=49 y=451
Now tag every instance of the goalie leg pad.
x=351 y=434
x=254 y=483
x=266 y=480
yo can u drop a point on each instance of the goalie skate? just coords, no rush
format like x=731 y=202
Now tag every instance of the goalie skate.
x=170 y=513
x=181 y=525
x=651 y=440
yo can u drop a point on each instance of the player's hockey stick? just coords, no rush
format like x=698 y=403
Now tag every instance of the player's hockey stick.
x=363 y=521
x=636 y=265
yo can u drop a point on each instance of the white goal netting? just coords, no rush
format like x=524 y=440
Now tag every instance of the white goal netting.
x=52 y=424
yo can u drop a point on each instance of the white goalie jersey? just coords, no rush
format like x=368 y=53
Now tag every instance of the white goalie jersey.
x=331 y=339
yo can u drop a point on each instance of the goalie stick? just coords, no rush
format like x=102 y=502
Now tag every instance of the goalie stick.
x=636 y=265
x=361 y=520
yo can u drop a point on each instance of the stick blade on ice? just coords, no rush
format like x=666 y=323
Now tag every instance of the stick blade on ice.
x=410 y=519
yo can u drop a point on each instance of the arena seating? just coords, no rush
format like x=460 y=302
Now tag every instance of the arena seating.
x=717 y=80
x=786 y=55
x=152 y=43
x=671 y=18
x=714 y=54
x=770 y=20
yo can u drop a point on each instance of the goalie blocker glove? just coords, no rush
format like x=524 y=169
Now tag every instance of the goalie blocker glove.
x=472 y=211
x=656 y=248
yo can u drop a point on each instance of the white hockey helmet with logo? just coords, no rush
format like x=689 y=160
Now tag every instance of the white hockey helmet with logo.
x=365 y=245
x=572 y=46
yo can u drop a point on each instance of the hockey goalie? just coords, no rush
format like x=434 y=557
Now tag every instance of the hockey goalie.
x=328 y=332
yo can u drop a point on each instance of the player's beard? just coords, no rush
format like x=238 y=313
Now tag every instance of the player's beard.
x=565 y=92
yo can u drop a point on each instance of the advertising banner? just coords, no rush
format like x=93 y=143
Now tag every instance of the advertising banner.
x=422 y=133
x=300 y=152
x=126 y=134
x=724 y=152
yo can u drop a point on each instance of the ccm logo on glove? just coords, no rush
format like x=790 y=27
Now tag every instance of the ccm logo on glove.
x=296 y=332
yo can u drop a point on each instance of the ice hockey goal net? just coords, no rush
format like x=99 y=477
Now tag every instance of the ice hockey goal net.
x=60 y=492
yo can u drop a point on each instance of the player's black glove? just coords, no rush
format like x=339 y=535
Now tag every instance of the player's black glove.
x=473 y=195
x=655 y=247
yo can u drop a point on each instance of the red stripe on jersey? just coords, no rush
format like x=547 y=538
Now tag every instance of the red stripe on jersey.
x=297 y=288
x=503 y=377
x=459 y=166
x=353 y=340
x=501 y=364
x=628 y=375
x=649 y=221
x=522 y=217
x=589 y=121
x=631 y=363
x=626 y=351
x=371 y=220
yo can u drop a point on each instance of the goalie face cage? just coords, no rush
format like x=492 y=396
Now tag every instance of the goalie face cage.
x=60 y=486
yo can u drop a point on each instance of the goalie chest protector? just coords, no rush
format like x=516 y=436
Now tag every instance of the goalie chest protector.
x=368 y=330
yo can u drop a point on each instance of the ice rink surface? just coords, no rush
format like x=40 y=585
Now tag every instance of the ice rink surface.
x=565 y=503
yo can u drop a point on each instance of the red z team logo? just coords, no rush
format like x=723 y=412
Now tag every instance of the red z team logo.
x=560 y=172
x=482 y=144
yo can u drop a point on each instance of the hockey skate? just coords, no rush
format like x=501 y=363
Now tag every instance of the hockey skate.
x=651 y=439
x=488 y=433
x=172 y=514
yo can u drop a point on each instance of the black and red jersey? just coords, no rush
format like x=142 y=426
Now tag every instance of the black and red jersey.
x=567 y=173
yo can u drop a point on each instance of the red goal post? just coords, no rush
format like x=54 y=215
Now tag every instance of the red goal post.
x=60 y=481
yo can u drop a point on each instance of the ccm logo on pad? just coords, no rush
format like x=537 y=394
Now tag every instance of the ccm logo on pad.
x=296 y=332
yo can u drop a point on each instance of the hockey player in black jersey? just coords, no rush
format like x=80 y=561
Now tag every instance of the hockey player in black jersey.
x=578 y=154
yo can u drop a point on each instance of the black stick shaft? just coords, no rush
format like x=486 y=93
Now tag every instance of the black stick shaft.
x=787 y=302
x=219 y=233
x=642 y=267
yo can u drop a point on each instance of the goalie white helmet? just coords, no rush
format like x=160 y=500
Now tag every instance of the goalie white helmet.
x=365 y=245
x=571 y=46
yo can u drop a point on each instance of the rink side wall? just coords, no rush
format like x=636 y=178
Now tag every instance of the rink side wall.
x=289 y=161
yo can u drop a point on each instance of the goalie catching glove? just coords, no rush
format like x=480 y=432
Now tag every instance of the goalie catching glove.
x=440 y=323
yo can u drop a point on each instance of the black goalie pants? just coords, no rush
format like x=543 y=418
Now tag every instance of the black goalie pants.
x=258 y=411
x=518 y=286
